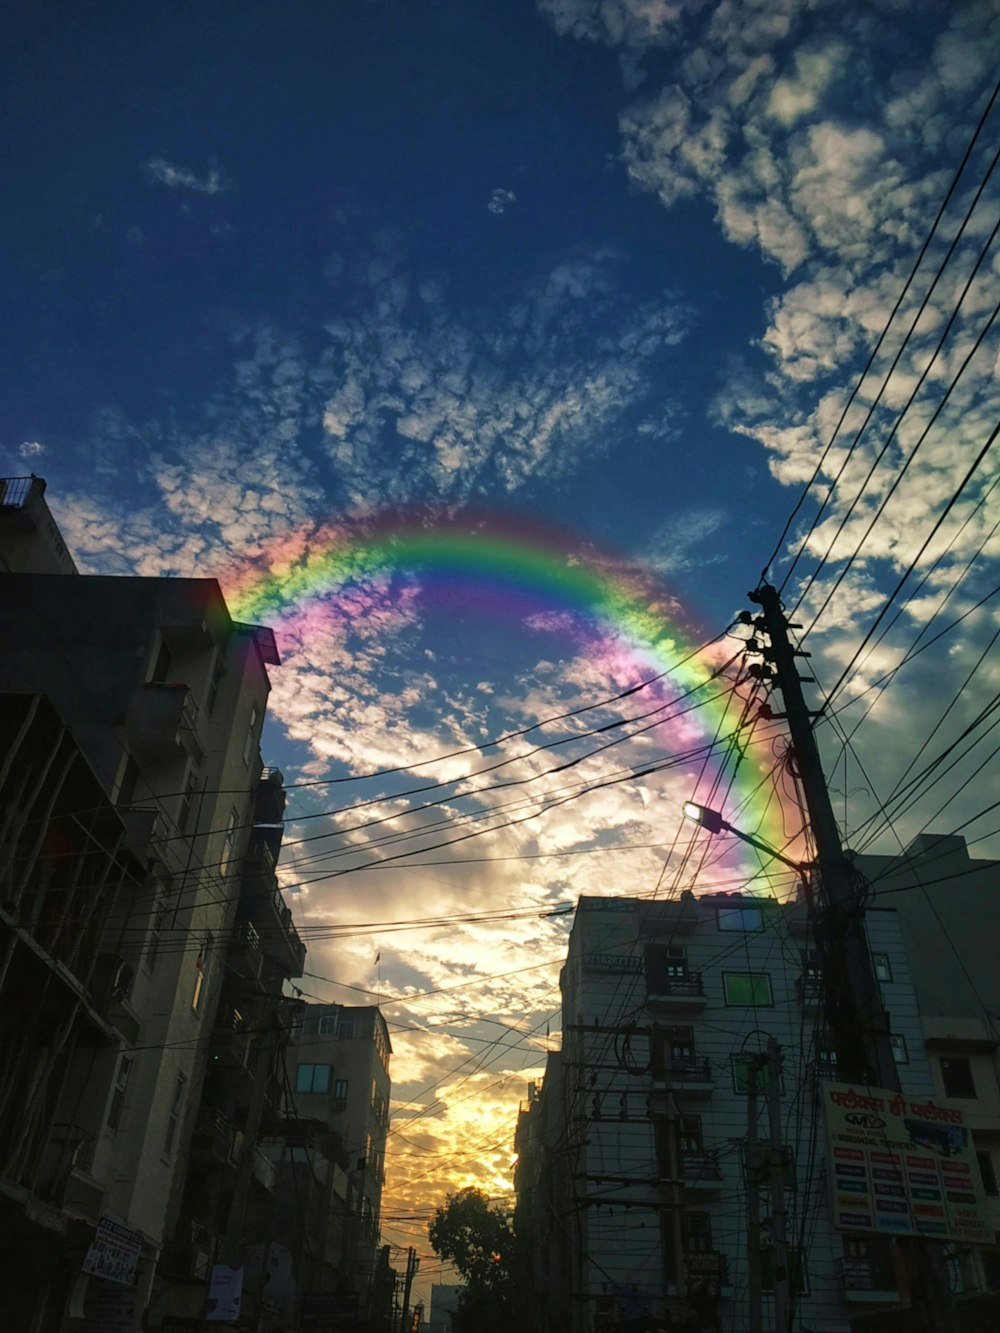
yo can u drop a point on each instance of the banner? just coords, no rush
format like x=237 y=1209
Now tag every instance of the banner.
x=902 y=1166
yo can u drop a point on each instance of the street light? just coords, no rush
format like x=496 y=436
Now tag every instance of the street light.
x=714 y=823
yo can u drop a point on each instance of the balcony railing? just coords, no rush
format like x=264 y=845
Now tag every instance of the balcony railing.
x=701 y=1169
x=164 y=719
x=678 y=990
x=14 y=491
x=862 y=1275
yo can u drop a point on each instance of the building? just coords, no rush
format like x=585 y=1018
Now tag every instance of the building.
x=649 y=1184
x=338 y=1064
x=152 y=699
x=950 y=916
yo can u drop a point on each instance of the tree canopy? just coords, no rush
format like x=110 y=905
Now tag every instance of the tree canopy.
x=479 y=1240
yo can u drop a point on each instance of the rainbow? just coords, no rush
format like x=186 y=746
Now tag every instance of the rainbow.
x=514 y=571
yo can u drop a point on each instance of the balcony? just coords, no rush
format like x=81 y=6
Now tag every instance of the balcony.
x=245 y=956
x=163 y=722
x=214 y=1142
x=676 y=993
x=810 y=989
x=271 y=917
x=688 y=1075
x=143 y=829
x=702 y=1173
x=867 y=1281
x=230 y=1045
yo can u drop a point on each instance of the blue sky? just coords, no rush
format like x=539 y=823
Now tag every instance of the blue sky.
x=608 y=265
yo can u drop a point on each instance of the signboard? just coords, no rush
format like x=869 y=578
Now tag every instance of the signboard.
x=111 y=1308
x=225 y=1293
x=114 y=1252
x=902 y=1166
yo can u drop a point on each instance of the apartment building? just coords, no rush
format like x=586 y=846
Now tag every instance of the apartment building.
x=643 y=1198
x=949 y=911
x=338 y=1063
x=163 y=695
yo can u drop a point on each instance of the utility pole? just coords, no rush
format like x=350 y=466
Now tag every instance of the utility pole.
x=752 y=1168
x=412 y=1264
x=779 y=1216
x=853 y=1003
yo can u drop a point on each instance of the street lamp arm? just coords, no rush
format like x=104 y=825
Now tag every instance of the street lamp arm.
x=713 y=821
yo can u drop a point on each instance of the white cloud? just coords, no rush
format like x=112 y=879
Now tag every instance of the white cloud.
x=501 y=200
x=161 y=172
x=31 y=449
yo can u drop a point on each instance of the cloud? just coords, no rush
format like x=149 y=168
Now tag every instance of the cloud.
x=161 y=172
x=501 y=200
x=31 y=449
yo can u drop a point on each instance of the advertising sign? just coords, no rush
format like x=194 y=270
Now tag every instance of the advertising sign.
x=225 y=1293
x=902 y=1166
x=114 y=1252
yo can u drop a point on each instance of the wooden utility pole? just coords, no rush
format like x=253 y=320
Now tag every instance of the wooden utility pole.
x=853 y=1002
x=779 y=1215
x=752 y=1168
x=412 y=1264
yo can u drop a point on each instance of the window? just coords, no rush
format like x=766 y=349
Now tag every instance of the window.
x=747 y=989
x=899 y=1052
x=251 y=736
x=797 y=1280
x=739 y=918
x=956 y=1074
x=200 y=972
x=689 y=1128
x=215 y=684
x=173 y=1119
x=229 y=844
x=313 y=1078
x=155 y=938
x=743 y=1066
x=672 y=1048
x=665 y=963
x=826 y=1059
x=883 y=970
x=117 y=1104
x=988 y=1172
x=340 y=1090
x=697 y=1232
x=161 y=665
x=129 y=782
x=347 y=1028
x=187 y=802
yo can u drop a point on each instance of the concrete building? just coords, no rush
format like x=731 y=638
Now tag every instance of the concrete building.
x=634 y=1174
x=949 y=910
x=338 y=1063
x=163 y=695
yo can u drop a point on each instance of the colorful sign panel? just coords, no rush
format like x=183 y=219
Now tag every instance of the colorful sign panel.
x=902 y=1166
x=114 y=1252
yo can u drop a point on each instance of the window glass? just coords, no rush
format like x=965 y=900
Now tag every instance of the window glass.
x=200 y=972
x=251 y=735
x=229 y=844
x=218 y=671
x=313 y=1078
x=747 y=988
x=742 y=1070
x=956 y=1074
x=175 y=1114
x=347 y=1028
x=883 y=969
x=117 y=1104
x=340 y=1090
x=899 y=1052
x=988 y=1172
x=739 y=918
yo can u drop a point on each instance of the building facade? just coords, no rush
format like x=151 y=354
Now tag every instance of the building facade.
x=150 y=699
x=338 y=1065
x=678 y=1133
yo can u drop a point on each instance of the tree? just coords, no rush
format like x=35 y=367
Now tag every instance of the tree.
x=479 y=1240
